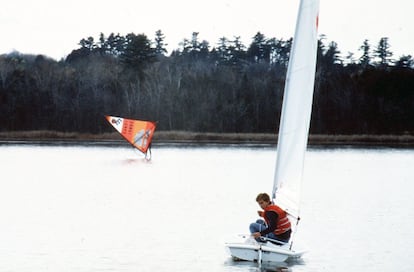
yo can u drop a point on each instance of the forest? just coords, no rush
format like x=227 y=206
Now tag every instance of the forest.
x=225 y=88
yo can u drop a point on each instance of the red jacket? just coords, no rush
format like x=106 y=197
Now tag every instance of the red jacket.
x=283 y=223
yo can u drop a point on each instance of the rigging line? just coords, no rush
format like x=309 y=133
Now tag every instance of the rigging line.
x=294 y=232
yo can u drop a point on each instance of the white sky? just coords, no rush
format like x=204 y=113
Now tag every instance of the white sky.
x=55 y=27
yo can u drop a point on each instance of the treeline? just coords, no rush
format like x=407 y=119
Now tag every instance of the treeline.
x=229 y=87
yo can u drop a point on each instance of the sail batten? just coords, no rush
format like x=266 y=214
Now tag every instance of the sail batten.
x=296 y=109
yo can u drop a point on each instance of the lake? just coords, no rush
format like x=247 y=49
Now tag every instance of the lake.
x=97 y=208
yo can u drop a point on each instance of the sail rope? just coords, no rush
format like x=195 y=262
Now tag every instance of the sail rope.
x=294 y=232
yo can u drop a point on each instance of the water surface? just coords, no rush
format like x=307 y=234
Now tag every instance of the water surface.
x=107 y=209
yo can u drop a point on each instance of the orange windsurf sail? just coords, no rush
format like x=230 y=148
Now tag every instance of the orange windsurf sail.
x=136 y=132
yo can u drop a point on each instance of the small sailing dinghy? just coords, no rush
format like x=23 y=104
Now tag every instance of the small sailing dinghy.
x=293 y=137
x=137 y=132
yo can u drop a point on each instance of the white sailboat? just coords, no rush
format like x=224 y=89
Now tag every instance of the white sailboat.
x=293 y=136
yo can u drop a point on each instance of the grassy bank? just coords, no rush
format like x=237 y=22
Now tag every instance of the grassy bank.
x=217 y=138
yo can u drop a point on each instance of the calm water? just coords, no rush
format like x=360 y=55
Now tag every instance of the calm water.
x=107 y=209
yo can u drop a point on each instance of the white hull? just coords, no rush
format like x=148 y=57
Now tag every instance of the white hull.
x=253 y=251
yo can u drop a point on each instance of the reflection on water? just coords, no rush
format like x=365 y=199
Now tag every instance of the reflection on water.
x=135 y=161
x=100 y=208
x=287 y=266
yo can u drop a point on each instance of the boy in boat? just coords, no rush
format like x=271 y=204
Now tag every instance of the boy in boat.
x=276 y=224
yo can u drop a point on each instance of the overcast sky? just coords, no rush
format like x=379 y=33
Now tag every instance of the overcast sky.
x=55 y=27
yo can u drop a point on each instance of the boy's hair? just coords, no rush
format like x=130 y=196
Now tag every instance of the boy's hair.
x=263 y=196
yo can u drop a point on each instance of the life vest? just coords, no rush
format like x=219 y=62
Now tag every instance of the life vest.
x=283 y=223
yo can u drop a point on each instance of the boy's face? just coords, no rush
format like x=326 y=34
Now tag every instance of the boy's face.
x=263 y=204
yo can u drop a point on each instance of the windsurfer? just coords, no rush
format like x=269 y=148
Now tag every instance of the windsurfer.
x=276 y=224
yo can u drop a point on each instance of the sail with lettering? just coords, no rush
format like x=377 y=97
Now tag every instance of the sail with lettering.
x=138 y=133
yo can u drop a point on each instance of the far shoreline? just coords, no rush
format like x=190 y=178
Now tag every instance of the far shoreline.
x=183 y=138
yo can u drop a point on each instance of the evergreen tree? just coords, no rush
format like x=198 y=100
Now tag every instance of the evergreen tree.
x=331 y=56
x=138 y=51
x=115 y=44
x=237 y=52
x=259 y=50
x=383 y=53
x=280 y=51
x=405 y=61
x=365 y=59
x=222 y=52
x=159 y=43
x=88 y=43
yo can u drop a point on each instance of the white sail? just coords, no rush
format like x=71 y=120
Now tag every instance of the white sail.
x=296 y=109
x=293 y=135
